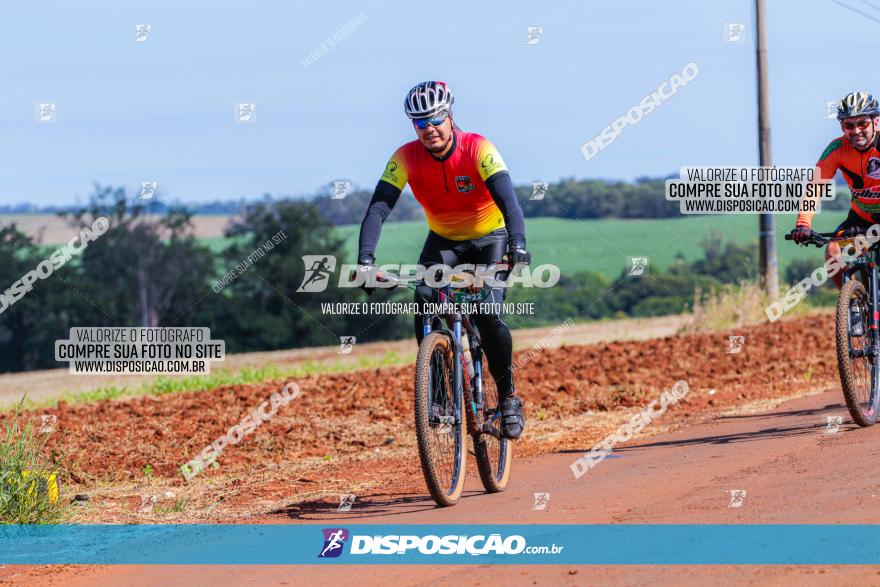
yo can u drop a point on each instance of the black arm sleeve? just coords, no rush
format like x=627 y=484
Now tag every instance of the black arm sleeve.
x=501 y=188
x=380 y=207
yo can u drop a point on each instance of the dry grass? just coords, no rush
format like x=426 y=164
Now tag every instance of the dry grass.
x=735 y=306
x=728 y=307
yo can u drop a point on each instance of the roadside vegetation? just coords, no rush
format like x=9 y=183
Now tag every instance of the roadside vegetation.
x=29 y=477
x=224 y=377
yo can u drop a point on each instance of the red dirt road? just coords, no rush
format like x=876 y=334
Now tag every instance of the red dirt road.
x=792 y=469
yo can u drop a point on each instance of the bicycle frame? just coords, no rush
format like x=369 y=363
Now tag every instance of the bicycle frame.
x=458 y=321
x=865 y=266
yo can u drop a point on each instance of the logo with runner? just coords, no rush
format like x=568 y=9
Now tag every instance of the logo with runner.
x=541 y=501
x=47 y=423
x=737 y=498
x=539 y=190
x=535 y=33
x=148 y=189
x=464 y=183
x=834 y=423
x=831 y=109
x=334 y=540
x=736 y=344
x=873 y=168
x=346 y=343
x=638 y=266
x=340 y=189
x=318 y=271
x=141 y=32
x=734 y=31
x=346 y=500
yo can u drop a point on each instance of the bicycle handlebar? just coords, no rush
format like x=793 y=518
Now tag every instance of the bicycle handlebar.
x=823 y=238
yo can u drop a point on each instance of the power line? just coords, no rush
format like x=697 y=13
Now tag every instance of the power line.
x=856 y=10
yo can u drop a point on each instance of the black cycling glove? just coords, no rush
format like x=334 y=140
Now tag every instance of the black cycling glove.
x=801 y=234
x=517 y=254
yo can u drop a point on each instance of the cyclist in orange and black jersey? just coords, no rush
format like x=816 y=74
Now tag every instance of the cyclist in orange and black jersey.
x=856 y=154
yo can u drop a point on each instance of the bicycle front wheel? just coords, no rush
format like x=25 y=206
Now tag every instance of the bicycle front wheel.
x=439 y=429
x=857 y=369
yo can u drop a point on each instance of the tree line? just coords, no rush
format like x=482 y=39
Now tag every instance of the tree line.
x=149 y=269
x=567 y=198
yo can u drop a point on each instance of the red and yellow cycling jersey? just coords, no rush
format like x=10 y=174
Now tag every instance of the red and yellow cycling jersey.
x=452 y=190
x=861 y=169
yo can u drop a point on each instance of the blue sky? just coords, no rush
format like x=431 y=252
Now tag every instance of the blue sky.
x=163 y=109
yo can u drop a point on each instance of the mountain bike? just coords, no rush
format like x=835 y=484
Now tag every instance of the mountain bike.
x=454 y=393
x=857 y=322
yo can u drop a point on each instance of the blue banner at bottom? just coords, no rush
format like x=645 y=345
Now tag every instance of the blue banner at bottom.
x=623 y=544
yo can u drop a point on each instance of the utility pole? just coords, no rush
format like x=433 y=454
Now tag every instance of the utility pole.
x=768 y=265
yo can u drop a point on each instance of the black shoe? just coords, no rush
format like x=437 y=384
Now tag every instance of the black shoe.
x=512 y=418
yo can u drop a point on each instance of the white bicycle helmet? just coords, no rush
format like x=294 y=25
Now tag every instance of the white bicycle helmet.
x=426 y=99
x=857 y=104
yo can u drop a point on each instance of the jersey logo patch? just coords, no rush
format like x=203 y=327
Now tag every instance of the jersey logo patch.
x=873 y=168
x=490 y=164
x=464 y=183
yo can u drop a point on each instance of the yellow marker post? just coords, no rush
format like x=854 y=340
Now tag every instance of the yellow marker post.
x=46 y=484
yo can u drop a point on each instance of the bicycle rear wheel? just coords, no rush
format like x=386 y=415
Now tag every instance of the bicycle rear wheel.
x=494 y=454
x=857 y=369
x=439 y=431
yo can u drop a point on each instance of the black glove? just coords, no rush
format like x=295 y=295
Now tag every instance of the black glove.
x=517 y=254
x=802 y=234
x=366 y=269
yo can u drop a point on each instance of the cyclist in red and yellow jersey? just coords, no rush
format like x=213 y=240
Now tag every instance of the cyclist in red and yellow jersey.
x=857 y=155
x=473 y=215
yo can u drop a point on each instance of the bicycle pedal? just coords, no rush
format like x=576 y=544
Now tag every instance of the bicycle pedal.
x=492 y=431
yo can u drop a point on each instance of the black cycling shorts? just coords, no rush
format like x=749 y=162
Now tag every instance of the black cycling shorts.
x=854 y=220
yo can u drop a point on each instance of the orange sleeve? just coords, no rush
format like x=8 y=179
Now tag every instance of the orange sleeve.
x=827 y=164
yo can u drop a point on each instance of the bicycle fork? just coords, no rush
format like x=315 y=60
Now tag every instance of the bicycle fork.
x=477 y=380
x=458 y=374
x=874 y=327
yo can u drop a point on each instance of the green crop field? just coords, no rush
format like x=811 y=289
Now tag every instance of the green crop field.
x=602 y=246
